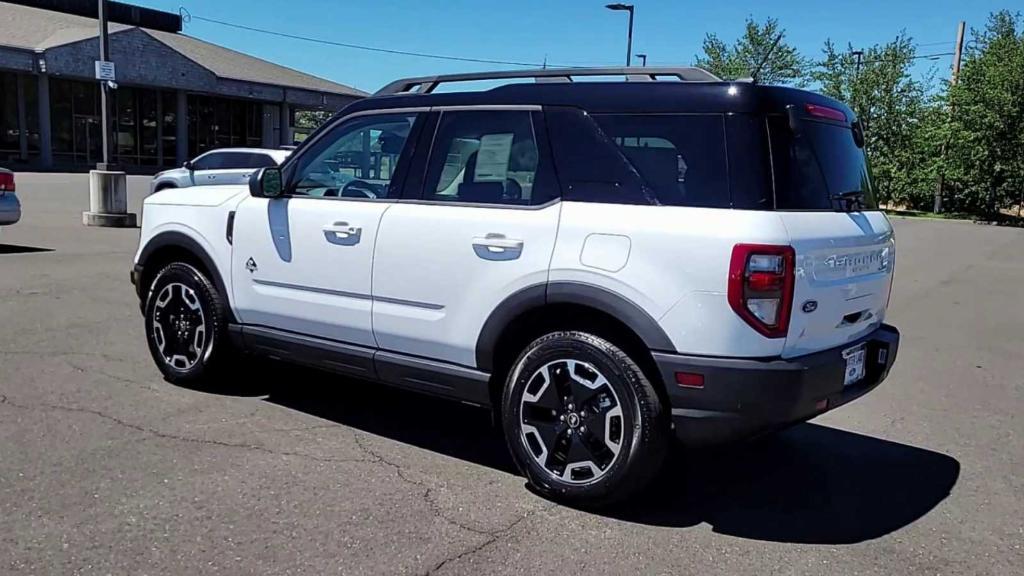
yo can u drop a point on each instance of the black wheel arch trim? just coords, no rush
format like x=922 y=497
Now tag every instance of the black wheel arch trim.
x=185 y=242
x=567 y=292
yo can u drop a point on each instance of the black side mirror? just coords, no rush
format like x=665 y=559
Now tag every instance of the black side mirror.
x=187 y=165
x=266 y=183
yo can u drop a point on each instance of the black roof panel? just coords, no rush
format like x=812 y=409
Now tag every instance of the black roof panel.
x=612 y=97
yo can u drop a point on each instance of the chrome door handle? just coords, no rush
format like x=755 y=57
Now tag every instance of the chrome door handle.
x=497 y=247
x=342 y=234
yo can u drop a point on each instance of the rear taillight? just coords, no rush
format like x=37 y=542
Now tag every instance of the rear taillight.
x=6 y=182
x=761 y=286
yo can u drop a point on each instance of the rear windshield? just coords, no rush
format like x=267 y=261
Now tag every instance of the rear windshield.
x=681 y=157
x=812 y=167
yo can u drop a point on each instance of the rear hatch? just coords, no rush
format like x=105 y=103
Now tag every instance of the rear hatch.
x=844 y=246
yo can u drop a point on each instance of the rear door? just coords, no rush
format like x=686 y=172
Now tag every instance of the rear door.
x=844 y=246
x=235 y=167
x=479 y=226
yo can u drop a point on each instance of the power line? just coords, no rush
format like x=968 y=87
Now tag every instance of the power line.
x=936 y=55
x=186 y=17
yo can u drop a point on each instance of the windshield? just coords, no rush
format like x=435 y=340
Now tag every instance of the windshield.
x=820 y=163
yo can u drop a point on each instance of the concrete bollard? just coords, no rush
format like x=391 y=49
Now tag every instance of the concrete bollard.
x=108 y=200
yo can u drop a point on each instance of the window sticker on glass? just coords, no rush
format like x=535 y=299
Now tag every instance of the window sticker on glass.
x=492 y=158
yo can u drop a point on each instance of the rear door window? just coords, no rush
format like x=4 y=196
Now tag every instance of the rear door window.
x=681 y=157
x=487 y=157
x=257 y=160
x=210 y=161
x=820 y=161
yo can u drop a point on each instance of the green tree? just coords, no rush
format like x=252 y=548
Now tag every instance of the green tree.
x=783 y=65
x=985 y=157
x=899 y=119
x=311 y=119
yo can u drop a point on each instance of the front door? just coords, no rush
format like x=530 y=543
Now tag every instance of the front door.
x=482 y=228
x=302 y=263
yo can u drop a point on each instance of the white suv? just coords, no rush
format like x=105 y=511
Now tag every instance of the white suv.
x=603 y=264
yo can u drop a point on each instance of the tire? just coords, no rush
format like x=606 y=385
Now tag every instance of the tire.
x=182 y=302
x=567 y=400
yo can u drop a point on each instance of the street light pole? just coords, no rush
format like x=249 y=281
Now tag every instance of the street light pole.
x=629 y=40
x=108 y=187
x=104 y=89
x=643 y=59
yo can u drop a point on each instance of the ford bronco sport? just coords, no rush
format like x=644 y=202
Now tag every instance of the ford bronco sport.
x=603 y=263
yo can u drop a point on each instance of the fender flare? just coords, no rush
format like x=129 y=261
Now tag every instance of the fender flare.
x=182 y=240
x=567 y=292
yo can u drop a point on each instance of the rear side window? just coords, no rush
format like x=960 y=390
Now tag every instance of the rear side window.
x=211 y=161
x=820 y=161
x=486 y=157
x=257 y=160
x=234 y=160
x=681 y=157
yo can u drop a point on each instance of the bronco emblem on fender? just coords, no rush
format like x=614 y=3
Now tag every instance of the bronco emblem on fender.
x=251 y=266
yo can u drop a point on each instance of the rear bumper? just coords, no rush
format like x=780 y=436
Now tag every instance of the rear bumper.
x=10 y=208
x=745 y=397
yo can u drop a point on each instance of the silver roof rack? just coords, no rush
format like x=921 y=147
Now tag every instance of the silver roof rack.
x=427 y=84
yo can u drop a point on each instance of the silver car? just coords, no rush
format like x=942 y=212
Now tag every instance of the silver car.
x=10 y=207
x=221 y=166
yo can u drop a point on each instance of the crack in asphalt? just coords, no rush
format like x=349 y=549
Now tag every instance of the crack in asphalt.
x=426 y=493
x=493 y=538
x=5 y=401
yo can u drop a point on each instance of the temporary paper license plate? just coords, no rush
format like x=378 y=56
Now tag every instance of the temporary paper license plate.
x=854 y=364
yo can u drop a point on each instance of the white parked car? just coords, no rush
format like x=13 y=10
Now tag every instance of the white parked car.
x=220 y=166
x=605 y=265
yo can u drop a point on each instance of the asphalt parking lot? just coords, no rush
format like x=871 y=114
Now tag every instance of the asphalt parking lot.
x=107 y=469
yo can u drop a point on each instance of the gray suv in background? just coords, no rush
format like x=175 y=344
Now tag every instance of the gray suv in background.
x=221 y=166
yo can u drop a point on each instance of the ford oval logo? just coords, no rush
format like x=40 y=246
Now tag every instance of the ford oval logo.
x=809 y=306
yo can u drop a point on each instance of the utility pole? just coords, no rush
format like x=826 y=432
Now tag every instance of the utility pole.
x=958 y=53
x=643 y=58
x=860 y=56
x=104 y=88
x=954 y=77
x=108 y=186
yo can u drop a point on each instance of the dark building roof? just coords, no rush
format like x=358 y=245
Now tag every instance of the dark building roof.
x=39 y=30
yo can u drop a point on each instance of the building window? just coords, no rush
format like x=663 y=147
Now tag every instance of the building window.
x=170 y=128
x=9 y=116
x=215 y=122
x=13 y=122
x=31 y=87
x=75 y=122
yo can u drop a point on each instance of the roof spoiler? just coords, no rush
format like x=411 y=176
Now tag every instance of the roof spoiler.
x=427 y=84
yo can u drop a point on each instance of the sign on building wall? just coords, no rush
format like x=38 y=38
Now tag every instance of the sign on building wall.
x=105 y=71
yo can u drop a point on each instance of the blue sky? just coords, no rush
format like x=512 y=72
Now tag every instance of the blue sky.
x=576 y=33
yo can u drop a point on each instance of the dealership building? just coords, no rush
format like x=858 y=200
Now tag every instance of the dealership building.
x=176 y=97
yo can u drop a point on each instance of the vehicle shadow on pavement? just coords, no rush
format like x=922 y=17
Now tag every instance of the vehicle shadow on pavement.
x=442 y=426
x=811 y=484
x=14 y=249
